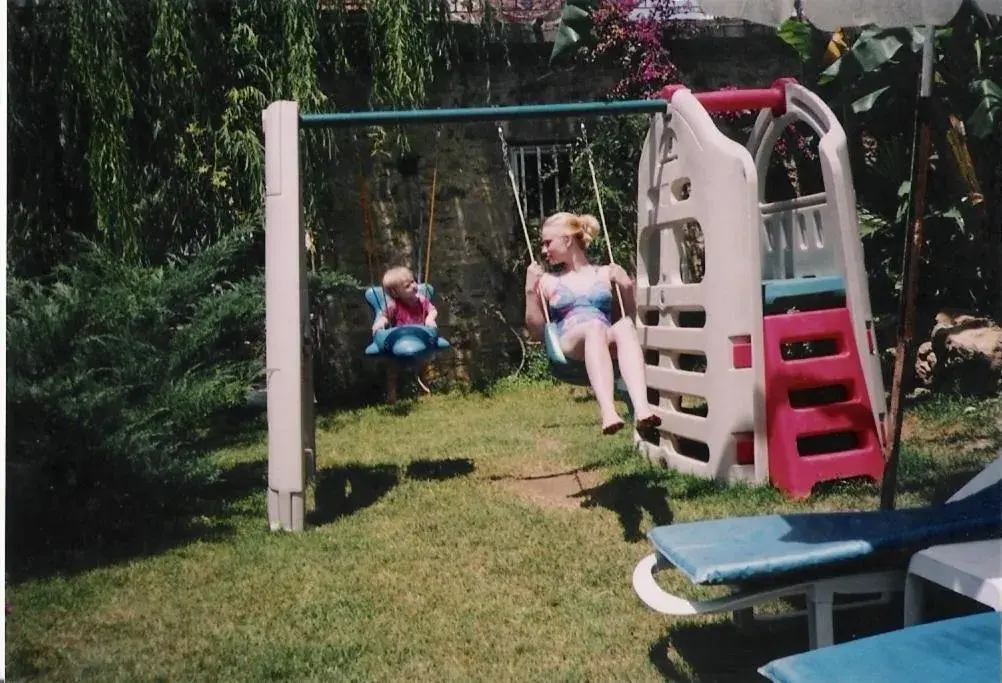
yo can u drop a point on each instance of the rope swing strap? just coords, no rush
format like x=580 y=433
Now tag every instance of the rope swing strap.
x=521 y=212
x=601 y=212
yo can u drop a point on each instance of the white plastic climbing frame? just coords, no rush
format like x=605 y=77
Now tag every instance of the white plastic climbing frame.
x=755 y=253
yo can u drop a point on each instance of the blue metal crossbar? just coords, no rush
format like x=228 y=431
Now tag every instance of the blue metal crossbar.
x=509 y=113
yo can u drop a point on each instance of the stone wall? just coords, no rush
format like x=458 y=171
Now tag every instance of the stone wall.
x=478 y=252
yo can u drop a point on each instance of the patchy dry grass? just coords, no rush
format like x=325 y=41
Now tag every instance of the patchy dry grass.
x=456 y=538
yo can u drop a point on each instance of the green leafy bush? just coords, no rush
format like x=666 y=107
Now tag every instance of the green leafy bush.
x=118 y=377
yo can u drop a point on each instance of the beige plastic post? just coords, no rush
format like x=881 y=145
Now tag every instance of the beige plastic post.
x=290 y=392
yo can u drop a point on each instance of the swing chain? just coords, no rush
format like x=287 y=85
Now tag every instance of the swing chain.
x=506 y=157
x=504 y=148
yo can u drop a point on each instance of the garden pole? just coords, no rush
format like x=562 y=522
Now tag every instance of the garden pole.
x=910 y=275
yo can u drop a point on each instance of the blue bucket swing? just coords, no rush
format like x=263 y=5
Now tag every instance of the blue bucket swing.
x=406 y=346
x=567 y=370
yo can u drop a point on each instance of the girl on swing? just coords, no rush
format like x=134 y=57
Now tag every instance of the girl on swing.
x=580 y=304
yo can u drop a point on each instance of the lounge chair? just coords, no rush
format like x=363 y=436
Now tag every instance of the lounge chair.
x=963 y=649
x=815 y=555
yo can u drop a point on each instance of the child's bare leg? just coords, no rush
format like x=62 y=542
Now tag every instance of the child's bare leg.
x=598 y=363
x=631 y=368
x=423 y=372
x=391 y=384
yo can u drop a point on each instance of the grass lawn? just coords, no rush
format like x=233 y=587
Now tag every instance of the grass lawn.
x=456 y=538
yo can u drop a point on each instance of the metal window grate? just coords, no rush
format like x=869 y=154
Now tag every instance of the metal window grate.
x=543 y=175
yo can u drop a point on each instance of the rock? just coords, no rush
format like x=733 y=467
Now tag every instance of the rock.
x=964 y=355
x=925 y=364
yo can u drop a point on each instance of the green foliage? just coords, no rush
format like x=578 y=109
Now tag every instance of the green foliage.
x=537 y=366
x=985 y=119
x=126 y=115
x=535 y=370
x=575 y=25
x=873 y=51
x=616 y=144
x=801 y=36
x=874 y=88
x=809 y=43
x=117 y=377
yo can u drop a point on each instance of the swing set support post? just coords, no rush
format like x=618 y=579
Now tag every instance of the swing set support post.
x=288 y=348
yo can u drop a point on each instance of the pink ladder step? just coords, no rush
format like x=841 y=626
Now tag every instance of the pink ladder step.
x=823 y=438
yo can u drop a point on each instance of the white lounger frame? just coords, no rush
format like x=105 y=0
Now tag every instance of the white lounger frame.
x=819 y=594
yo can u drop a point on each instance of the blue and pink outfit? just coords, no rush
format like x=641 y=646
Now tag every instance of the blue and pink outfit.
x=569 y=308
x=400 y=313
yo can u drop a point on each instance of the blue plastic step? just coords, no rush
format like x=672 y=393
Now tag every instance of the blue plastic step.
x=774 y=291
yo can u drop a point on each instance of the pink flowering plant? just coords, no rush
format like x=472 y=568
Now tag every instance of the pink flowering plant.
x=636 y=35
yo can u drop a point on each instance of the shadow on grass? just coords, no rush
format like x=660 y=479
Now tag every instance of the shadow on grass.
x=206 y=513
x=935 y=480
x=540 y=477
x=439 y=470
x=240 y=426
x=334 y=417
x=629 y=496
x=346 y=489
x=723 y=652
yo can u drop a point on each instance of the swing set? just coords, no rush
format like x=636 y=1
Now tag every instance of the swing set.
x=291 y=429
x=755 y=250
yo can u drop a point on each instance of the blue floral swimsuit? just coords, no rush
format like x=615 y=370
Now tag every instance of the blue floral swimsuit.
x=569 y=309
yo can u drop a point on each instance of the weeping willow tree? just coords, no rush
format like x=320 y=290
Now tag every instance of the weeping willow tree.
x=138 y=124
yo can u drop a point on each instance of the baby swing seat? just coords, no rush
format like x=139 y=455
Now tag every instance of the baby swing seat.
x=406 y=344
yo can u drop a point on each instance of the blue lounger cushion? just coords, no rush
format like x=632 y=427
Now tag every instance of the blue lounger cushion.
x=762 y=548
x=962 y=649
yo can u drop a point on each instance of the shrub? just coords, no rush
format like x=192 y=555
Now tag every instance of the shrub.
x=118 y=376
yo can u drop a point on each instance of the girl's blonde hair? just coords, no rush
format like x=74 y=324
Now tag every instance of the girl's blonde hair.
x=583 y=227
x=395 y=278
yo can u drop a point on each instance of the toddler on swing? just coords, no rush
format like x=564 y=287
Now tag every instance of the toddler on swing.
x=579 y=300
x=405 y=305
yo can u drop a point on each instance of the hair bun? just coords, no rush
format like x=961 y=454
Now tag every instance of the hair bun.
x=588 y=225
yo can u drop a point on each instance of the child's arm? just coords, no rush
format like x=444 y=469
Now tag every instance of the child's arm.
x=382 y=319
x=431 y=318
